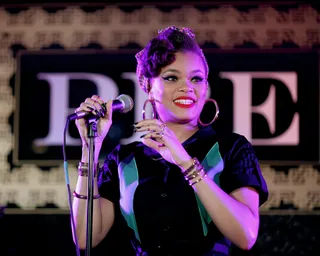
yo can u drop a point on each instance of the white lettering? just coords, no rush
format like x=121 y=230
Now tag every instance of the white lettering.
x=59 y=95
x=243 y=109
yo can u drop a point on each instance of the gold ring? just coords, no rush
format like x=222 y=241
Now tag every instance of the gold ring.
x=163 y=127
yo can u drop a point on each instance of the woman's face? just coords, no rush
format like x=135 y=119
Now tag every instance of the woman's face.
x=180 y=89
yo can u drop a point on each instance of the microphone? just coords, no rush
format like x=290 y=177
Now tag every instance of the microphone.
x=123 y=104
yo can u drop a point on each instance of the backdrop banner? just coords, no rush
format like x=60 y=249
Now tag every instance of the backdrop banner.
x=272 y=98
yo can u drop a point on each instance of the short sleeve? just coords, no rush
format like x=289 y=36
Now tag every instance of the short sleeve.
x=108 y=180
x=242 y=169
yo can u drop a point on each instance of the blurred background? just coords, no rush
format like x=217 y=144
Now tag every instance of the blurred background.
x=264 y=73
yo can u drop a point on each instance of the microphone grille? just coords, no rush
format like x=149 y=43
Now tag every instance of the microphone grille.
x=127 y=102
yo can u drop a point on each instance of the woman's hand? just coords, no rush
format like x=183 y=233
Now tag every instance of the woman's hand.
x=96 y=106
x=164 y=141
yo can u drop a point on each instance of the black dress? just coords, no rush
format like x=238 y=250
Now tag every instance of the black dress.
x=162 y=212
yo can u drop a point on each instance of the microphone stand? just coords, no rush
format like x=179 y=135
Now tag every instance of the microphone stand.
x=92 y=133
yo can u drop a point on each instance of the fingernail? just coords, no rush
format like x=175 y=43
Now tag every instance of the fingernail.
x=102 y=112
x=103 y=105
x=135 y=129
x=142 y=136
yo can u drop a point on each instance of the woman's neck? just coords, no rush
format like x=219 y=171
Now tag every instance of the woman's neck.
x=183 y=131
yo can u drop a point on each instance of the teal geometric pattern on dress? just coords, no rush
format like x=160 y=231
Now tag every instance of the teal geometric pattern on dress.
x=129 y=180
x=213 y=166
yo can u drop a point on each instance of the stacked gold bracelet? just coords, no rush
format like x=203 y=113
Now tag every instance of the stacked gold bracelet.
x=194 y=171
x=83 y=169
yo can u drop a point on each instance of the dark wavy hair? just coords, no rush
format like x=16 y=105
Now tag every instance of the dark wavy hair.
x=160 y=51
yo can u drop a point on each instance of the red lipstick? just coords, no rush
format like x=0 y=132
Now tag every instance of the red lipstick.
x=184 y=102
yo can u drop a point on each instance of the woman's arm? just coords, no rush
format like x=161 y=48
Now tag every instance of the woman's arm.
x=235 y=215
x=233 y=204
x=103 y=209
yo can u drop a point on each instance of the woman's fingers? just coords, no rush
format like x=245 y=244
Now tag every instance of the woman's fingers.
x=153 y=135
x=87 y=108
x=98 y=99
x=148 y=122
x=154 y=140
x=152 y=143
x=150 y=126
x=96 y=106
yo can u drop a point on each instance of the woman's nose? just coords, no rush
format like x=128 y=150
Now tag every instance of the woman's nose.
x=186 y=89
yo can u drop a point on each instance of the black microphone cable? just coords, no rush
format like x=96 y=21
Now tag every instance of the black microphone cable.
x=66 y=173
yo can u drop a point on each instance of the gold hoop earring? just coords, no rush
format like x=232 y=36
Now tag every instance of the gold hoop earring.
x=215 y=116
x=154 y=112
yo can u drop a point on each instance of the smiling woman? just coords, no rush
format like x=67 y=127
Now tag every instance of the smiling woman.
x=185 y=188
x=179 y=91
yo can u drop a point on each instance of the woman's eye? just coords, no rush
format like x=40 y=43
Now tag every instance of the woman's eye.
x=197 y=79
x=170 y=78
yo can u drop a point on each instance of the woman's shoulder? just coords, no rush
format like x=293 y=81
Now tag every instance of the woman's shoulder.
x=231 y=137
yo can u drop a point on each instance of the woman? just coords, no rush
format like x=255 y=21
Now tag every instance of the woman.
x=184 y=189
